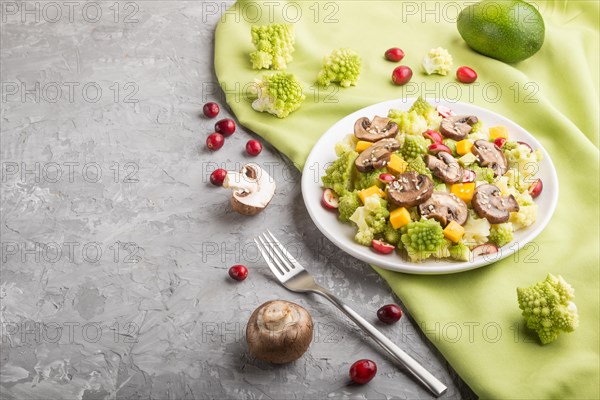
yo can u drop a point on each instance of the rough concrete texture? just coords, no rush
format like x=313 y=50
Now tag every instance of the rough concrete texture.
x=115 y=247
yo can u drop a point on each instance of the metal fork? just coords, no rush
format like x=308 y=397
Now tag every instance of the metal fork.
x=294 y=277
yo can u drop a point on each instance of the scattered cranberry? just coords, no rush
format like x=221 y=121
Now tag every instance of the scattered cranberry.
x=485 y=250
x=363 y=371
x=466 y=75
x=218 y=176
x=439 y=147
x=401 y=75
x=389 y=314
x=215 y=141
x=211 y=110
x=394 y=54
x=434 y=136
x=469 y=176
x=445 y=112
x=535 y=189
x=238 y=272
x=500 y=142
x=225 y=126
x=253 y=147
x=382 y=247
x=387 y=178
x=330 y=199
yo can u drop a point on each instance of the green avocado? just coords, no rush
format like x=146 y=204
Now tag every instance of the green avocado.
x=507 y=30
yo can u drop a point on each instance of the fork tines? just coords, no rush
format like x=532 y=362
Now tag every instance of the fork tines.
x=279 y=260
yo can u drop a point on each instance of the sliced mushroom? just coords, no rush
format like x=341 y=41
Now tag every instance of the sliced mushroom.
x=253 y=189
x=279 y=331
x=375 y=130
x=490 y=155
x=445 y=167
x=377 y=155
x=457 y=127
x=489 y=203
x=444 y=207
x=410 y=189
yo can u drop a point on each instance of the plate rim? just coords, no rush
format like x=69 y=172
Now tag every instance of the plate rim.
x=406 y=266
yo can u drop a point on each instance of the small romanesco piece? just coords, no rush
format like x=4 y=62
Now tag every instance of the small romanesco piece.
x=341 y=66
x=420 y=117
x=348 y=203
x=367 y=179
x=501 y=234
x=391 y=235
x=278 y=94
x=413 y=147
x=427 y=111
x=338 y=176
x=274 y=46
x=418 y=165
x=437 y=61
x=548 y=308
x=460 y=252
x=371 y=219
x=423 y=239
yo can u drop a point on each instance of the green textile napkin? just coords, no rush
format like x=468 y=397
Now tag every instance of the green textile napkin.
x=471 y=317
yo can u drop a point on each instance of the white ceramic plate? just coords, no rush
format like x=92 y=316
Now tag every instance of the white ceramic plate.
x=323 y=154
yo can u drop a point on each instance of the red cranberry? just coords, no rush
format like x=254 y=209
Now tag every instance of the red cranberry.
x=211 y=110
x=218 y=176
x=466 y=75
x=363 y=371
x=394 y=54
x=535 y=189
x=389 y=314
x=225 y=126
x=215 y=141
x=500 y=142
x=401 y=75
x=253 y=147
x=238 y=272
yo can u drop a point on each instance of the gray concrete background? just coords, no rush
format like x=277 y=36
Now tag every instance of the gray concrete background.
x=115 y=247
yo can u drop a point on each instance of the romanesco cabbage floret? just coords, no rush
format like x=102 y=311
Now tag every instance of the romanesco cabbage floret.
x=427 y=111
x=413 y=147
x=423 y=239
x=548 y=307
x=501 y=234
x=346 y=144
x=278 y=94
x=348 y=203
x=391 y=235
x=437 y=61
x=418 y=165
x=460 y=252
x=341 y=66
x=274 y=46
x=338 y=176
x=370 y=219
x=420 y=117
x=477 y=230
x=367 y=179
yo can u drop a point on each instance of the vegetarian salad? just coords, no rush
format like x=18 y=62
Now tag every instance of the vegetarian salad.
x=432 y=184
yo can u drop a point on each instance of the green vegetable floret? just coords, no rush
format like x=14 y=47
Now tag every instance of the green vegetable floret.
x=423 y=239
x=501 y=234
x=418 y=165
x=338 y=176
x=348 y=203
x=370 y=219
x=341 y=66
x=278 y=94
x=548 y=308
x=437 y=61
x=413 y=147
x=420 y=117
x=274 y=46
x=391 y=235
x=367 y=179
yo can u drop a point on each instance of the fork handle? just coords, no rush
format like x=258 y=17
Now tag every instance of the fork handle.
x=424 y=376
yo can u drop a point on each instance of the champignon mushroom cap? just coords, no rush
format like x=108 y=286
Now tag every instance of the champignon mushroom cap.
x=444 y=207
x=375 y=130
x=410 y=189
x=253 y=189
x=490 y=155
x=488 y=203
x=457 y=127
x=377 y=155
x=279 y=331
x=445 y=167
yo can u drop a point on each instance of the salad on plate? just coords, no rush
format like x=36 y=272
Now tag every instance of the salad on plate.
x=427 y=183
